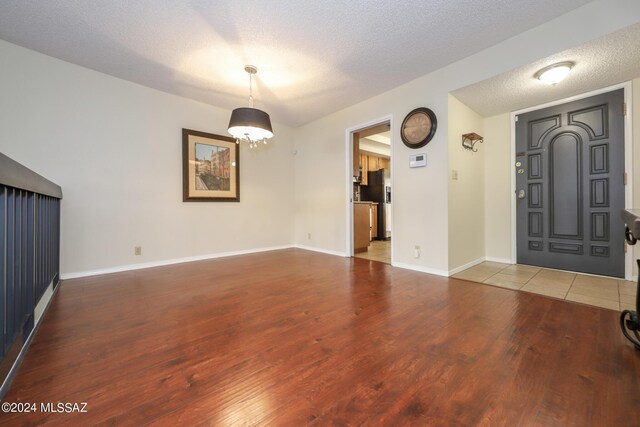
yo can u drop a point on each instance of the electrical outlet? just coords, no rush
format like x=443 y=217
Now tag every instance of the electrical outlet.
x=137 y=250
x=416 y=251
x=309 y=236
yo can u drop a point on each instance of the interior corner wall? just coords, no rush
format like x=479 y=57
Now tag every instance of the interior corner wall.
x=115 y=148
x=497 y=187
x=466 y=188
x=420 y=196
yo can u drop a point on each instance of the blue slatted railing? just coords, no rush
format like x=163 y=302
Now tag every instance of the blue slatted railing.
x=29 y=253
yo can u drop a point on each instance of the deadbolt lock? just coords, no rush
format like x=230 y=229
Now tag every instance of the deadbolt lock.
x=518 y=164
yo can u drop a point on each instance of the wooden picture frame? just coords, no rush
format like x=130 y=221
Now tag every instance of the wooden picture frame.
x=210 y=167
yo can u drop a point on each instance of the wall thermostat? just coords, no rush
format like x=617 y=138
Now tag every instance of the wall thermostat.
x=418 y=160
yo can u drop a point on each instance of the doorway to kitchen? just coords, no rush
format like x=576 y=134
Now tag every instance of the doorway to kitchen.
x=370 y=186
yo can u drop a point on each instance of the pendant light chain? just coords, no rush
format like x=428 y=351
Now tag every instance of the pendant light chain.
x=250 y=90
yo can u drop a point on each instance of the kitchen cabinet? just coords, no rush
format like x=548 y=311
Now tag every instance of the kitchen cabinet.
x=372 y=163
x=364 y=165
x=384 y=163
x=361 y=226
x=365 y=225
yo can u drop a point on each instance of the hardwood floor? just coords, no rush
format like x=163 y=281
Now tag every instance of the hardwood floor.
x=294 y=338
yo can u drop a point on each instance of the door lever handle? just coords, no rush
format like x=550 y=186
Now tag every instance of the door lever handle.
x=521 y=194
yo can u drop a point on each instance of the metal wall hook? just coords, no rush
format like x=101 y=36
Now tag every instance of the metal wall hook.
x=469 y=140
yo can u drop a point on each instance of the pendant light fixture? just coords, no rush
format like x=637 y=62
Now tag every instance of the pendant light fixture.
x=250 y=124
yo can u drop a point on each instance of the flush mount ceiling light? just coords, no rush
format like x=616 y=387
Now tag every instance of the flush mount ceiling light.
x=554 y=73
x=250 y=124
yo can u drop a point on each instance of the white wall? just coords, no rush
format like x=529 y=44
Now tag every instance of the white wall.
x=467 y=191
x=420 y=199
x=635 y=112
x=116 y=149
x=497 y=187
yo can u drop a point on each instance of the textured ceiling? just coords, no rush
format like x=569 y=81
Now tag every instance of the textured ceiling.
x=313 y=57
x=603 y=62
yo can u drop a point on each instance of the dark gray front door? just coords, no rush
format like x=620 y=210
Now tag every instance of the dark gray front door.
x=570 y=185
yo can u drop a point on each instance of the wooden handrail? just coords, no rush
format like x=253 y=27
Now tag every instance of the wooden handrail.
x=13 y=174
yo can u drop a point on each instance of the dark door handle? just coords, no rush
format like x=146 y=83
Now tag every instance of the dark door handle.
x=628 y=235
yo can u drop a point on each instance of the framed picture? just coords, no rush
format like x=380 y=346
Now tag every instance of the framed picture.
x=210 y=167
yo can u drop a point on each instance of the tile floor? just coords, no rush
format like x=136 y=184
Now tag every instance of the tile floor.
x=379 y=250
x=592 y=290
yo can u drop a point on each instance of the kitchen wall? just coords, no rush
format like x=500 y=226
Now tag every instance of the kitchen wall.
x=466 y=188
x=115 y=147
x=420 y=208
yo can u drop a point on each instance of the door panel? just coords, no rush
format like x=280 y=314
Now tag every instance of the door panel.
x=570 y=185
x=565 y=181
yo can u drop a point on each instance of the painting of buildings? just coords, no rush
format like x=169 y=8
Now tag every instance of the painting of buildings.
x=212 y=167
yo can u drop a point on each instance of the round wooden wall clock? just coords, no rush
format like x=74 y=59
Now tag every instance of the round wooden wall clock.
x=418 y=127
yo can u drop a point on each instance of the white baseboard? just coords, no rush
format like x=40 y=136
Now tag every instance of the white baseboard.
x=130 y=267
x=324 y=251
x=500 y=260
x=421 y=269
x=465 y=266
x=41 y=307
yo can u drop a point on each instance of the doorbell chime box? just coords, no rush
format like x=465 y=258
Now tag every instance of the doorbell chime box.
x=418 y=160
